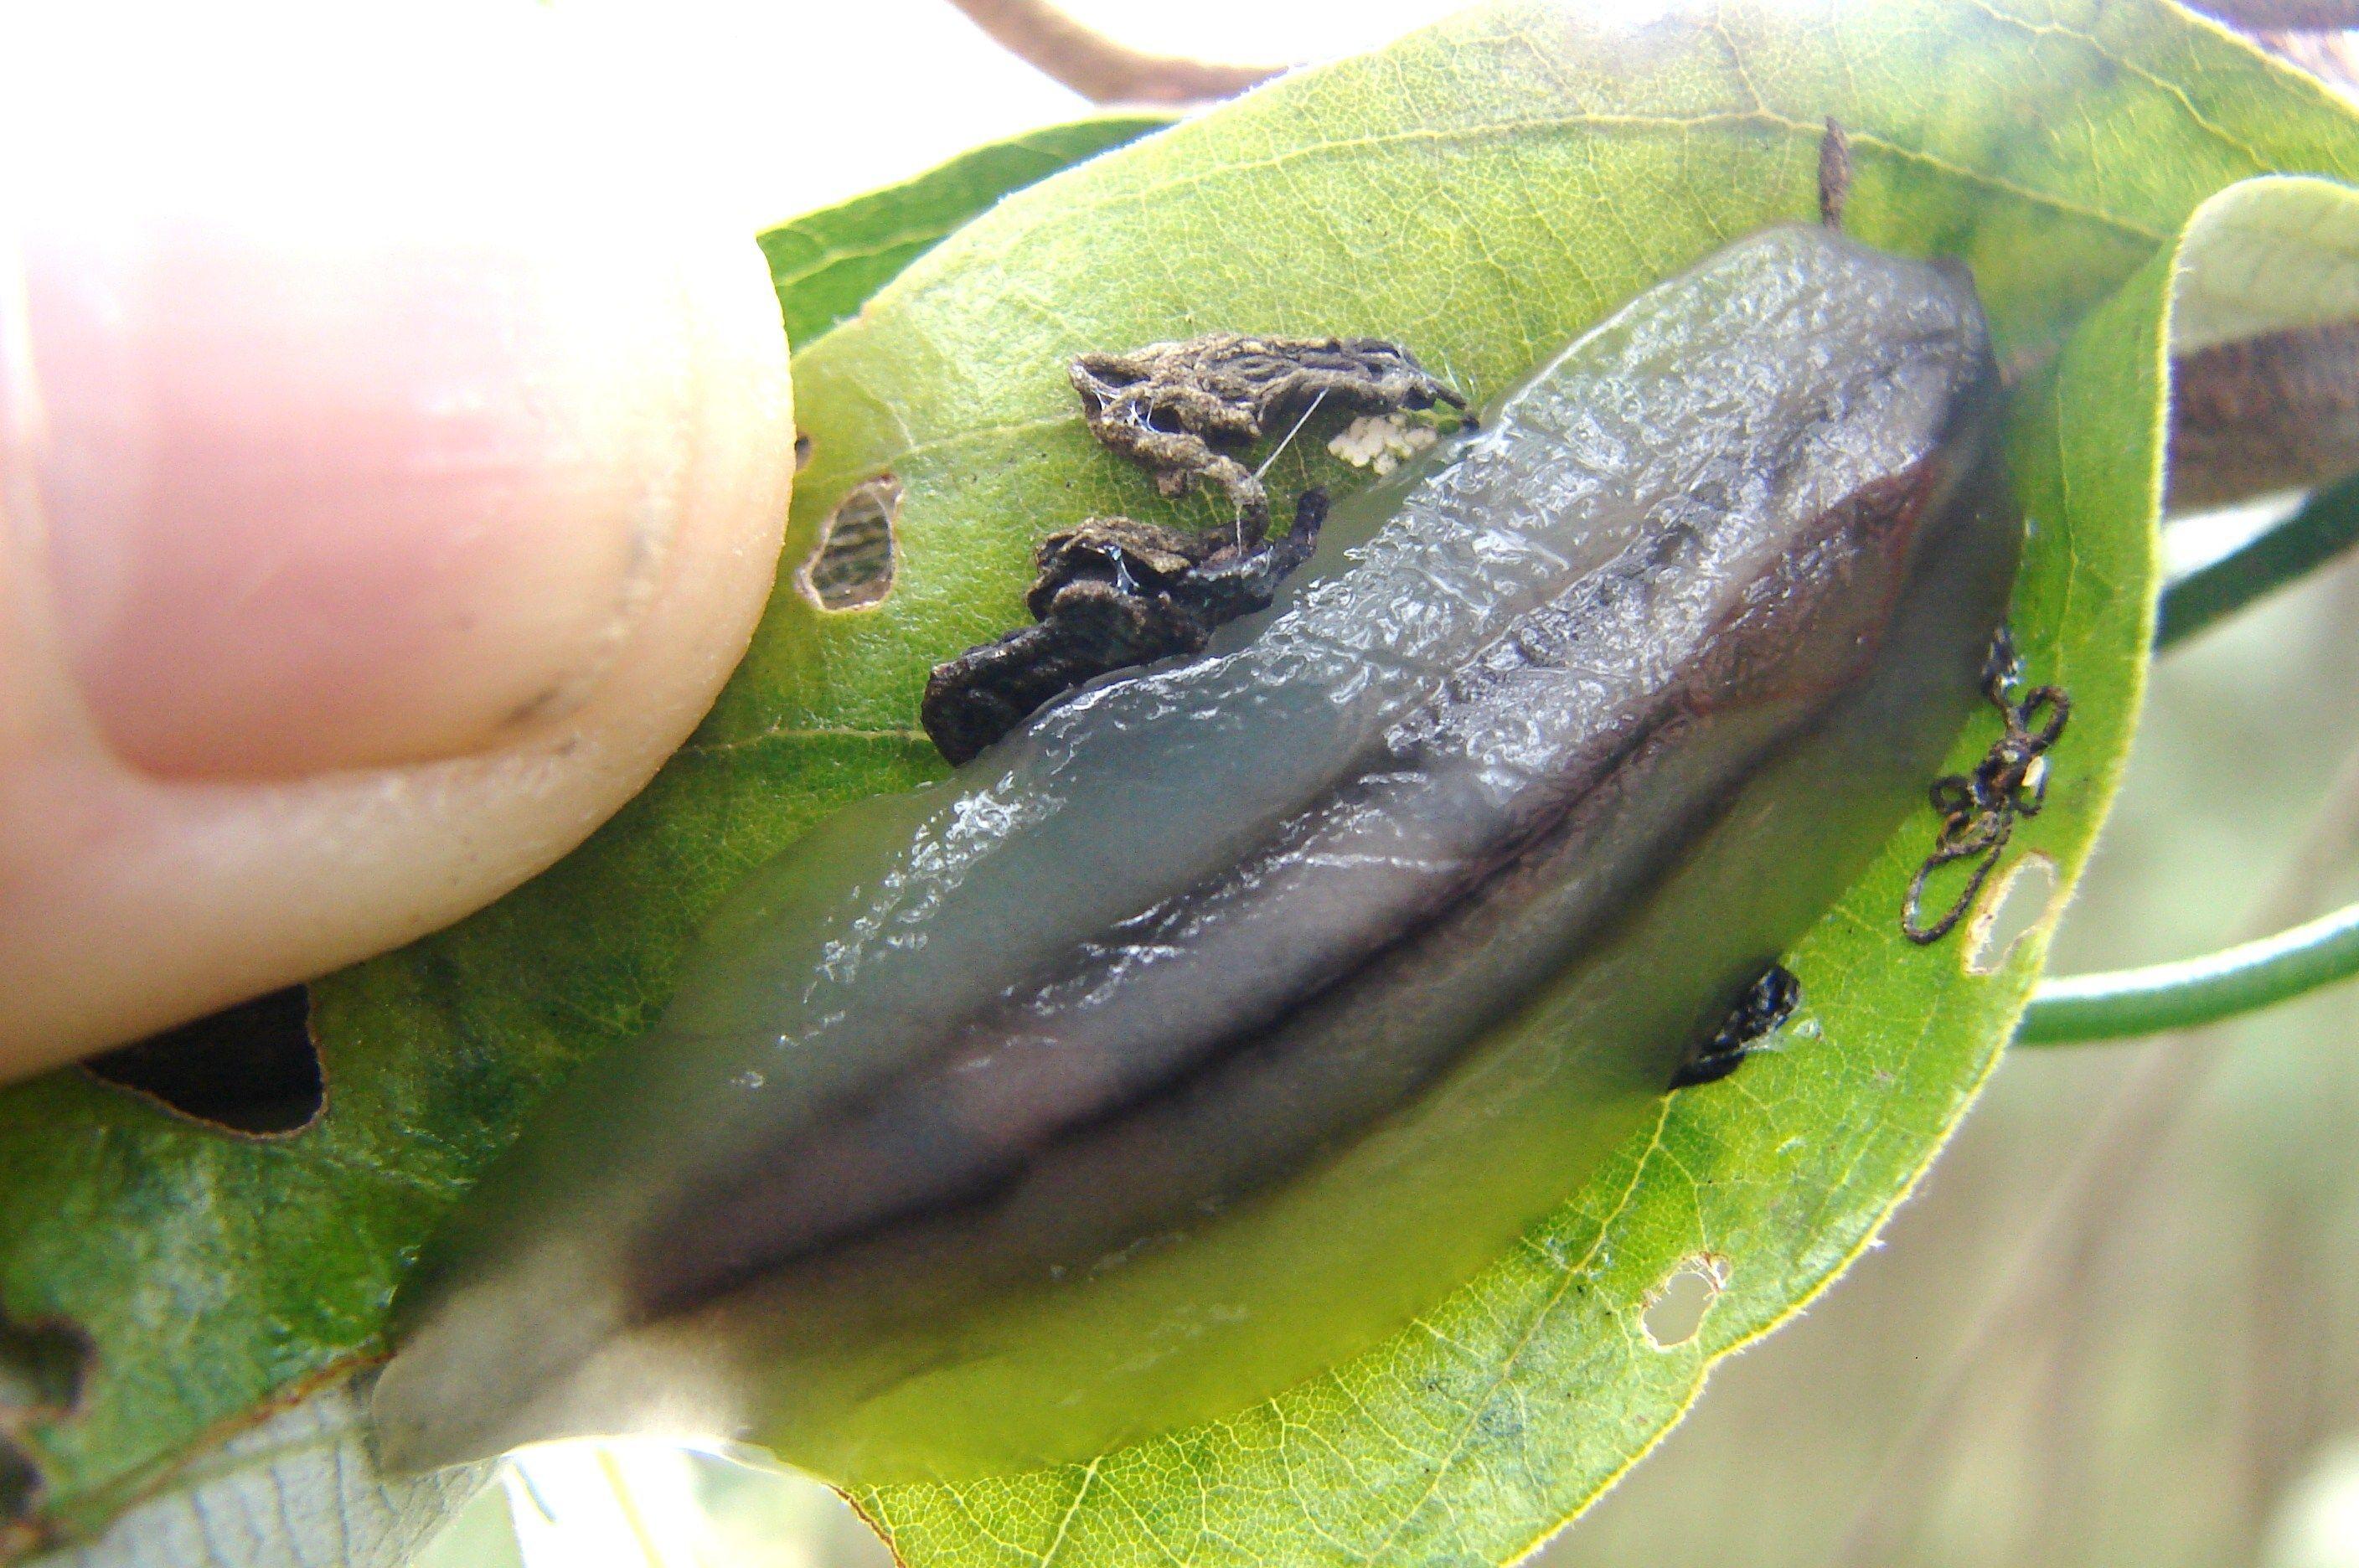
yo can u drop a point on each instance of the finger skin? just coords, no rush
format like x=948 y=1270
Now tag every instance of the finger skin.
x=387 y=784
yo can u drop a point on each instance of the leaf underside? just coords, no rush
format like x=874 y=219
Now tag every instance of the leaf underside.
x=1480 y=192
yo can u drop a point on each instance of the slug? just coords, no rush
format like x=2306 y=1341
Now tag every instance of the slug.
x=1224 y=1018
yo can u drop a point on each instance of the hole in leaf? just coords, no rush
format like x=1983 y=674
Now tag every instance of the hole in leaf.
x=802 y=450
x=852 y=567
x=2011 y=908
x=248 y=1069
x=20 y=1486
x=1674 y=1309
x=42 y=1368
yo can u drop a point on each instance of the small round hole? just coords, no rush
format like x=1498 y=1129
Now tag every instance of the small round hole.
x=1674 y=1309
x=43 y=1367
x=2011 y=908
x=20 y=1486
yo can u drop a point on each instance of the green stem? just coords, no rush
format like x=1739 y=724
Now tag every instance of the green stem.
x=2320 y=529
x=2120 y=1002
x=2194 y=991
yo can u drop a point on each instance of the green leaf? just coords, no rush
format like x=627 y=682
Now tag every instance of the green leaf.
x=1481 y=191
x=828 y=264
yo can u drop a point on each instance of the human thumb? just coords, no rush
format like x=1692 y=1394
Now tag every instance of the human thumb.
x=393 y=458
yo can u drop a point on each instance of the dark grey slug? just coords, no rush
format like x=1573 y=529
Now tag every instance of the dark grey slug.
x=1224 y=1018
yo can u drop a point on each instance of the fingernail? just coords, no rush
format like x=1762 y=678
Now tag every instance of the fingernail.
x=329 y=481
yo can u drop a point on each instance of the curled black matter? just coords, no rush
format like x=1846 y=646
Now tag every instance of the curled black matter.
x=1113 y=594
x=1979 y=809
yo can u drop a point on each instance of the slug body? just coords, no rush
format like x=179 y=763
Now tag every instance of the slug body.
x=1224 y=1018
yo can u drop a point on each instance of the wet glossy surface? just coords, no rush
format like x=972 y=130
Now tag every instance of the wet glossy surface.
x=1222 y=1017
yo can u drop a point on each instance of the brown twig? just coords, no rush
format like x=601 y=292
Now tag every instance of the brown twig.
x=2285 y=15
x=1099 y=69
x=1835 y=174
x=2330 y=57
x=2275 y=412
